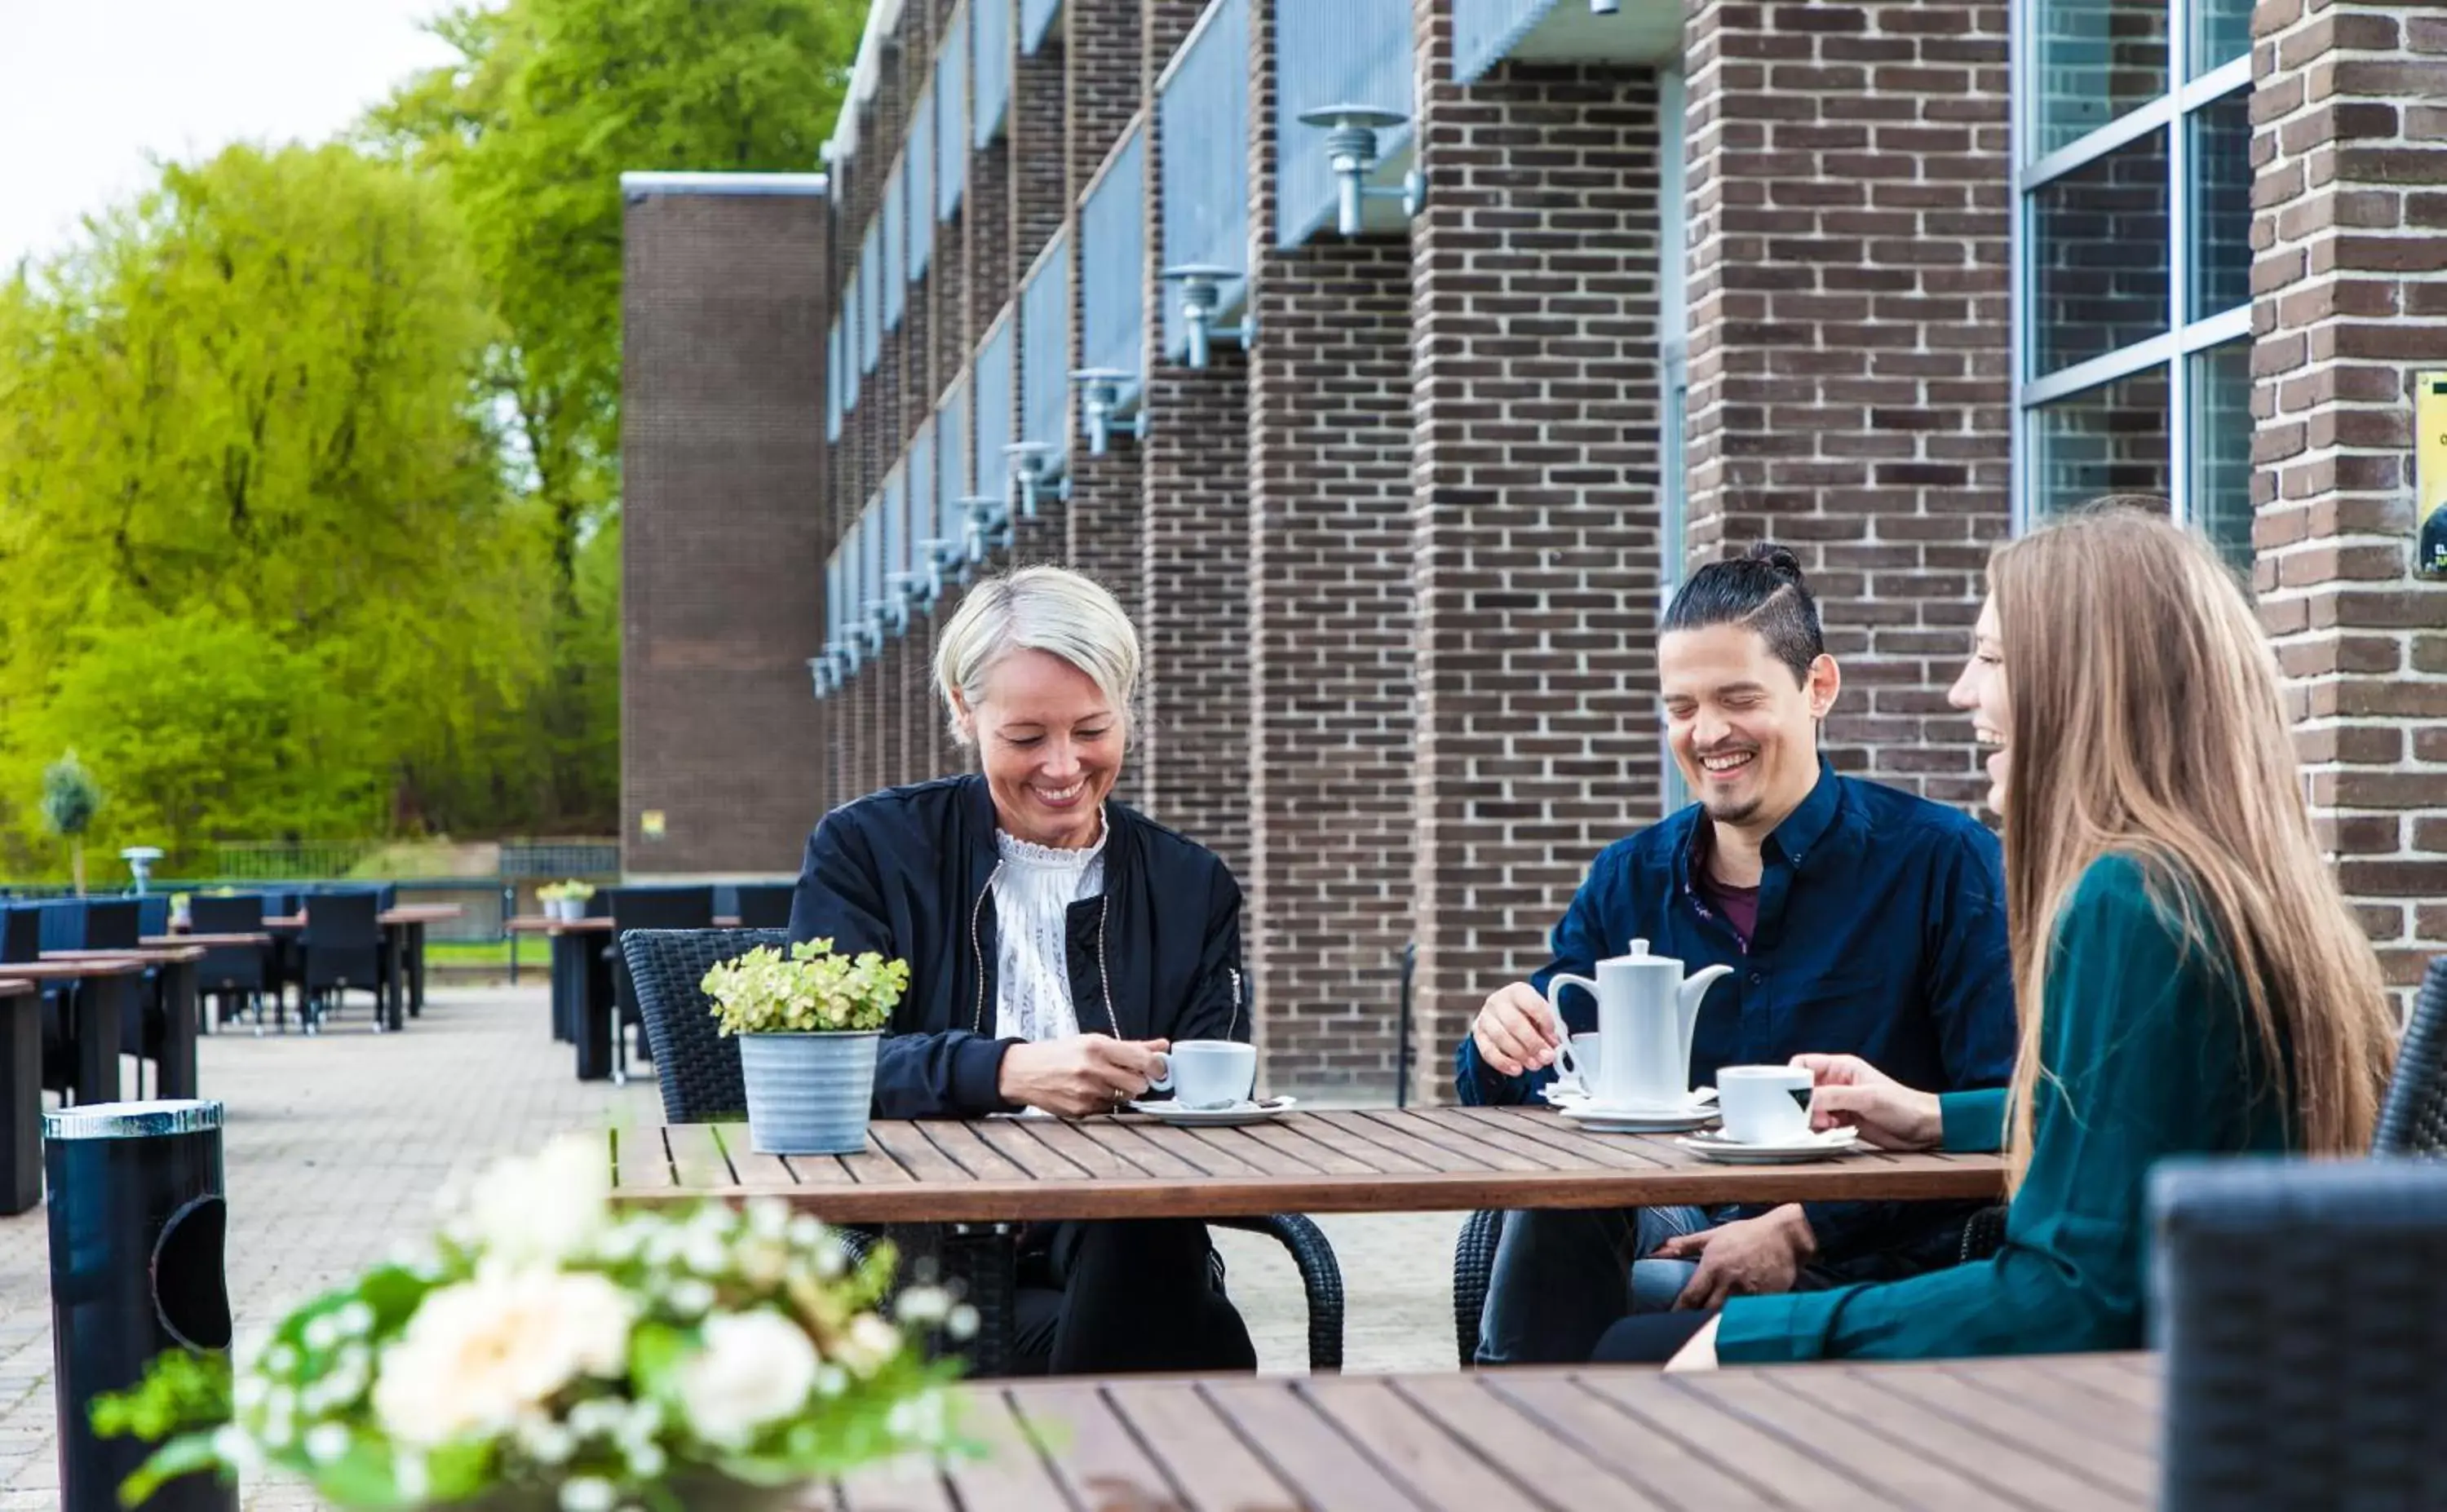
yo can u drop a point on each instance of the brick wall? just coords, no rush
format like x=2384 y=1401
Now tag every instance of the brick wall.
x=1535 y=509
x=2350 y=286
x=724 y=312
x=1848 y=194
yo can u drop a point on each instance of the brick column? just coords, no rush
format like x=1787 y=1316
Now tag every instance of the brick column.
x=1847 y=184
x=2351 y=302
x=1535 y=510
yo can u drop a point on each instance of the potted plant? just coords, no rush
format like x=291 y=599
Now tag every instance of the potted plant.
x=808 y=1024
x=575 y=897
x=549 y=1353
x=548 y=896
x=71 y=800
x=181 y=915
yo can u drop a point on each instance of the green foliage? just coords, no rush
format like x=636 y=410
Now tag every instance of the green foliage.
x=811 y=990
x=70 y=798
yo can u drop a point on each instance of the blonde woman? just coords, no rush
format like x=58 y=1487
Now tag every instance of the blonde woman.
x=1057 y=943
x=2190 y=980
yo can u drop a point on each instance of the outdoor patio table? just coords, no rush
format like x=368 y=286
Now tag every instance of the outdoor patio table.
x=91 y=1016
x=21 y=1095
x=2026 y=1434
x=582 y=985
x=971 y=1183
x=403 y=943
x=169 y=1038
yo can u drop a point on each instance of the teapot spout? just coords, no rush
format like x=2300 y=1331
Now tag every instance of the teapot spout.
x=1693 y=992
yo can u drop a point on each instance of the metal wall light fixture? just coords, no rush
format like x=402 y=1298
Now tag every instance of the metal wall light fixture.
x=911 y=591
x=1100 y=394
x=1034 y=468
x=1202 y=296
x=947 y=562
x=1605 y=8
x=1350 y=147
x=989 y=523
x=820 y=672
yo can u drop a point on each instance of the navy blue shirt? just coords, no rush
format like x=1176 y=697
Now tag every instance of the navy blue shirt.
x=1881 y=934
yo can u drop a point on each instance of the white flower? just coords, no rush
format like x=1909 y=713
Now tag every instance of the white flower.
x=921 y=1418
x=250 y=1391
x=768 y=1218
x=868 y=1345
x=962 y=1323
x=830 y=1262
x=355 y=1319
x=545 y=1208
x=477 y=1355
x=280 y=1360
x=234 y=1448
x=586 y=1493
x=326 y=1442
x=754 y=1369
x=831 y=1380
x=595 y=1418
x=322 y=1334
x=647 y=1461
x=690 y=1297
x=923 y=1305
x=407 y=1470
x=763 y=1263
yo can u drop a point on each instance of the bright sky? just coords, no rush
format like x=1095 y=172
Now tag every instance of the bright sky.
x=90 y=89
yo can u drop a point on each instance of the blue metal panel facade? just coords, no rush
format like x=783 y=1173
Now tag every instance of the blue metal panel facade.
x=1045 y=348
x=990 y=54
x=1350 y=52
x=920 y=161
x=1035 y=20
x=833 y=366
x=952 y=117
x=923 y=505
x=998 y=378
x=1203 y=111
x=894 y=227
x=951 y=460
x=1485 y=31
x=1112 y=263
x=870 y=298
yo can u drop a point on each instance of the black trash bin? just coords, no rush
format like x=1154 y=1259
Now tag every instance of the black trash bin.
x=137 y=1227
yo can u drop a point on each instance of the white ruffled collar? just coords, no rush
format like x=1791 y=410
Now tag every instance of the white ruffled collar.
x=1018 y=852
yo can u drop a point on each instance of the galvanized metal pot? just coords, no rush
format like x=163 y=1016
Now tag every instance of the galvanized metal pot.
x=808 y=1094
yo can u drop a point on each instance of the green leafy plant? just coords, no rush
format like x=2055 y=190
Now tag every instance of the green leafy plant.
x=551 y=1351
x=581 y=891
x=71 y=800
x=180 y=901
x=811 y=990
x=552 y=892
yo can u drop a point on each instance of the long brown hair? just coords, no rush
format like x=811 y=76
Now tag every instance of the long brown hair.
x=2148 y=722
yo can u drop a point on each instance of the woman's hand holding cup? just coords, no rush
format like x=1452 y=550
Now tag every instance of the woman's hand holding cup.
x=1848 y=1092
x=1081 y=1075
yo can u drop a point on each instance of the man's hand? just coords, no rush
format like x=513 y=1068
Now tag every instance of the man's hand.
x=1891 y=1116
x=1075 y=1077
x=1751 y=1256
x=1515 y=1031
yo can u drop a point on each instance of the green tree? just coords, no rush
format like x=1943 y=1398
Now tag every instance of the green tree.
x=71 y=799
x=531 y=126
x=247 y=413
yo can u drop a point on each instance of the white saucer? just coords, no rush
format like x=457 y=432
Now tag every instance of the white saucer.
x=1562 y=1097
x=1166 y=1110
x=1828 y=1145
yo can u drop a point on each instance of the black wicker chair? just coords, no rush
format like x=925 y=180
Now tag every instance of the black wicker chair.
x=2301 y=1307
x=698 y=1071
x=2413 y=1121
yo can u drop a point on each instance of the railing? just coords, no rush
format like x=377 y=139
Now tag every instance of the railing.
x=922 y=182
x=990 y=53
x=1112 y=264
x=833 y=382
x=1349 y=52
x=278 y=861
x=1045 y=347
x=951 y=117
x=1485 y=31
x=952 y=460
x=923 y=504
x=870 y=298
x=1035 y=20
x=1203 y=122
x=997 y=378
x=896 y=235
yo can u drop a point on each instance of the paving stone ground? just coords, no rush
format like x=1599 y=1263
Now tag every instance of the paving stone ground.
x=337 y=1146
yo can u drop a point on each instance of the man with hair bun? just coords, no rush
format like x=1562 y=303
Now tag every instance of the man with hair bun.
x=1856 y=920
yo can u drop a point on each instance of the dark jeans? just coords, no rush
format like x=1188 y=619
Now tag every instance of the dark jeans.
x=1114 y=1297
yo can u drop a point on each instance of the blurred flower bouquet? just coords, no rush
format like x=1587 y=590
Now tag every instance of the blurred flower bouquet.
x=555 y=1355
x=809 y=991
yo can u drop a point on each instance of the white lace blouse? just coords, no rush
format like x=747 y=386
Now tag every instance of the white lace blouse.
x=1034 y=890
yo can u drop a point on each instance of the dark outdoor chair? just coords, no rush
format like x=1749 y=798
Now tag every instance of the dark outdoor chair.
x=232 y=974
x=2413 y=1121
x=112 y=924
x=21 y=932
x=698 y=1069
x=2301 y=1307
x=153 y=913
x=631 y=908
x=341 y=948
x=764 y=905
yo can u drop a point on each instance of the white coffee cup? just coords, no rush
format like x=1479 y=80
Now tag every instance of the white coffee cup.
x=1576 y=1070
x=1764 y=1105
x=1208 y=1074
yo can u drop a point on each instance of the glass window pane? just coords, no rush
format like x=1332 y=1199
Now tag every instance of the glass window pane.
x=2098 y=255
x=2220 y=137
x=2097 y=59
x=2221 y=33
x=2107 y=440
x=2221 y=443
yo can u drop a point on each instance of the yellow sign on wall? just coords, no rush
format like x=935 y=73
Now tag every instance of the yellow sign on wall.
x=650 y=823
x=2430 y=474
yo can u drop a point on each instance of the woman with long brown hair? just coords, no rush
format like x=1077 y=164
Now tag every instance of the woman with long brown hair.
x=2189 y=977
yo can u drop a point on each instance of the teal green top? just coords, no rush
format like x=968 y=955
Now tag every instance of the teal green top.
x=2147 y=1053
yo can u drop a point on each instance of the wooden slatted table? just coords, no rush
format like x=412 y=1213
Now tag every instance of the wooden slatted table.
x=95 y=1010
x=581 y=990
x=1026 y=1169
x=2017 y=1435
x=170 y=1018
